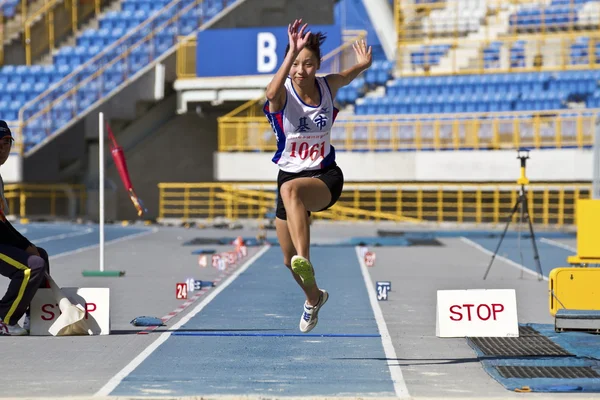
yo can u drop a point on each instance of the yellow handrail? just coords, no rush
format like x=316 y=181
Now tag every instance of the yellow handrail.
x=499 y=130
x=551 y=205
x=54 y=200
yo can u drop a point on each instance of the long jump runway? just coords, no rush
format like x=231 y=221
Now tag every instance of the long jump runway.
x=243 y=343
x=241 y=337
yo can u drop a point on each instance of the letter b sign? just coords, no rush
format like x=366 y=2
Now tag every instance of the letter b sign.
x=266 y=56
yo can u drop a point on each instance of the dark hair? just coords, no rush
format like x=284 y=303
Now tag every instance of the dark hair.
x=314 y=44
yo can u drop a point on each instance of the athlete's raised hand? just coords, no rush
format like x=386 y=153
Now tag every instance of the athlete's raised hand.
x=363 y=54
x=297 y=37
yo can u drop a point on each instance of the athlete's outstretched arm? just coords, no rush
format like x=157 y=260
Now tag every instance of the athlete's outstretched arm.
x=364 y=59
x=275 y=89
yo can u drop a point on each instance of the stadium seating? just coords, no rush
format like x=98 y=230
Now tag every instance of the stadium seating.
x=558 y=15
x=9 y=8
x=478 y=93
x=24 y=83
x=460 y=16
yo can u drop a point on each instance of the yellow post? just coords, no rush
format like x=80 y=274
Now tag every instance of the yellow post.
x=546 y=206
x=186 y=203
x=420 y=204
x=580 y=131
x=495 y=134
x=455 y=134
x=394 y=134
x=51 y=28
x=230 y=203
x=22 y=203
x=440 y=205
x=161 y=203
x=496 y=205
x=478 y=205
x=536 y=131
x=377 y=203
x=459 y=206
x=74 y=19
x=27 y=43
x=561 y=207
x=399 y=201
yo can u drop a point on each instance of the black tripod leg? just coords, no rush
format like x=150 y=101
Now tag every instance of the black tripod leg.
x=536 y=254
x=514 y=210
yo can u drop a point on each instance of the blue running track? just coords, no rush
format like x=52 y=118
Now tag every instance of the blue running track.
x=249 y=331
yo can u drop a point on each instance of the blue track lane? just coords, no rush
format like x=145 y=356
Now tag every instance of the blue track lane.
x=63 y=238
x=264 y=305
x=550 y=256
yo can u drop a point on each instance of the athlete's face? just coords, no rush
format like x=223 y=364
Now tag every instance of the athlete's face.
x=304 y=68
x=5 y=145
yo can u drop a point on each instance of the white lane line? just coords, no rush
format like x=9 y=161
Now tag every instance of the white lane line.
x=559 y=244
x=114 y=241
x=122 y=374
x=63 y=236
x=499 y=257
x=388 y=347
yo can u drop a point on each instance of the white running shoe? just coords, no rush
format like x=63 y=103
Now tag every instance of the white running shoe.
x=310 y=316
x=27 y=323
x=16 y=330
x=303 y=268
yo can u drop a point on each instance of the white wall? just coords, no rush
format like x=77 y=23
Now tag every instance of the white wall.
x=478 y=166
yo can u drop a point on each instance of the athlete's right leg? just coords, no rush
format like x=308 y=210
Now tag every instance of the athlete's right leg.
x=315 y=298
x=26 y=273
x=287 y=248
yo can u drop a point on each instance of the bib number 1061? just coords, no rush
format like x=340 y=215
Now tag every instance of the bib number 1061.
x=303 y=150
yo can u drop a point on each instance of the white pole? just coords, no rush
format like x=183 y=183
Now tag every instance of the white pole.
x=101 y=185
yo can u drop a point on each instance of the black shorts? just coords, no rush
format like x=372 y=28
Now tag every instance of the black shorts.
x=332 y=176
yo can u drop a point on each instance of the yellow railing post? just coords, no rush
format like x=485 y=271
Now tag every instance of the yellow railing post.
x=186 y=203
x=478 y=206
x=420 y=204
x=459 y=206
x=546 y=207
x=74 y=19
x=22 y=204
x=561 y=206
x=161 y=201
x=440 y=205
x=496 y=201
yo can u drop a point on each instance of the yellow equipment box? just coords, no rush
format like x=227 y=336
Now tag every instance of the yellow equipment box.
x=576 y=288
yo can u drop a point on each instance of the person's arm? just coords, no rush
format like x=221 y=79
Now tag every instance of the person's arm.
x=31 y=249
x=364 y=60
x=275 y=92
x=9 y=235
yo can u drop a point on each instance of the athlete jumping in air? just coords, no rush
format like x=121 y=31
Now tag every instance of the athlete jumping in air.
x=300 y=108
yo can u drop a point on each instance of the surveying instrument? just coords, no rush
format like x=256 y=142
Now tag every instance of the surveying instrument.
x=523 y=155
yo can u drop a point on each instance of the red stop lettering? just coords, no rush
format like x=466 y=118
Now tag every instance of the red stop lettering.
x=89 y=307
x=483 y=312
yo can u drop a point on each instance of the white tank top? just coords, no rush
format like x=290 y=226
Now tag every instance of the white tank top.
x=303 y=132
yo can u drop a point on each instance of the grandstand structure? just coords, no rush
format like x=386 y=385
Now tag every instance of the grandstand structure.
x=456 y=86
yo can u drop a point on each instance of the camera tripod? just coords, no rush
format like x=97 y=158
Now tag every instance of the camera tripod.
x=521 y=203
